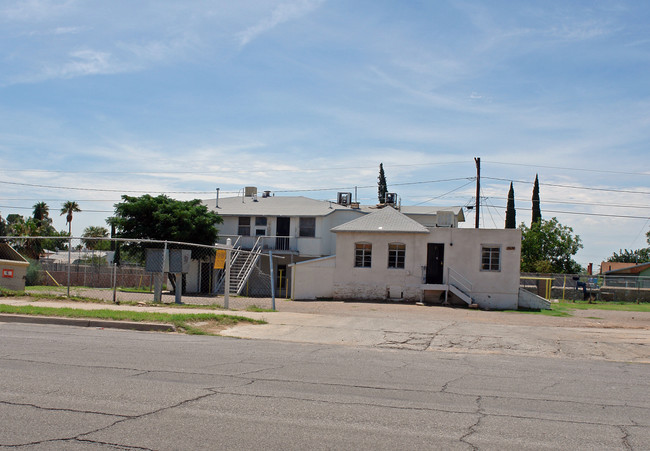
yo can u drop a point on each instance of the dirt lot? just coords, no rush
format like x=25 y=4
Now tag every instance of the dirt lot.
x=580 y=318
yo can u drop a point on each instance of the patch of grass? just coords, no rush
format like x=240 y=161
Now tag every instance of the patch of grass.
x=255 y=308
x=6 y=293
x=554 y=311
x=617 y=306
x=182 y=321
x=593 y=317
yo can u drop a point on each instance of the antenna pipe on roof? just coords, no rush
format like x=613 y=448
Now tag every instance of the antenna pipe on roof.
x=216 y=205
x=355 y=194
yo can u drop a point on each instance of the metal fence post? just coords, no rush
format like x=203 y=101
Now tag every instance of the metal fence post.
x=226 y=290
x=69 y=261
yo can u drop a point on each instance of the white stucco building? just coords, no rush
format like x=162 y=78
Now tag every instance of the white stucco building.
x=387 y=255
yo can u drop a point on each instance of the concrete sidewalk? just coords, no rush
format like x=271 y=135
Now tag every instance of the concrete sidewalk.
x=413 y=330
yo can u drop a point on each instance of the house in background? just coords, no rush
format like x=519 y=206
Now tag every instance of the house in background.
x=626 y=274
x=388 y=255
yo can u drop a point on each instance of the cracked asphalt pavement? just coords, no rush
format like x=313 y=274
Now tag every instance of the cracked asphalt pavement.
x=71 y=388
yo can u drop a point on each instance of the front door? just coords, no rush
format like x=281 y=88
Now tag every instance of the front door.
x=435 y=263
x=282 y=230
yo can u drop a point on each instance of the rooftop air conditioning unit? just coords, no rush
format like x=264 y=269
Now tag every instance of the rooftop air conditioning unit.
x=445 y=219
x=390 y=199
x=250 y=191
x=344 y=199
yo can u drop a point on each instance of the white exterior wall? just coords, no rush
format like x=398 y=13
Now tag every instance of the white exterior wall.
x=313 y=279
x=491 y=289
x=376 y=281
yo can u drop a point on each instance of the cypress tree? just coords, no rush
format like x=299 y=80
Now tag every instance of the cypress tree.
x=537 y=211
x=382 y=187
x=511 y=221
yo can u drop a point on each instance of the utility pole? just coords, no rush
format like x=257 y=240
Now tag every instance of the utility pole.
x=478 y=189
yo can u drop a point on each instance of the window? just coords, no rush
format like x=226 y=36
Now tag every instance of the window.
x=362 y=255
x=491 y=258
x=260 y=226
x=396 y=255
x=308 y=227
x=244 y=228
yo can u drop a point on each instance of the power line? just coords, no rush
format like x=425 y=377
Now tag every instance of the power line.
x=238 y=171
x=585 y=213
x=571 y=186
x=573 y=169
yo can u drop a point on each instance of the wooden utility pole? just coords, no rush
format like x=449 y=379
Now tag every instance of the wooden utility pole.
x=478 y=189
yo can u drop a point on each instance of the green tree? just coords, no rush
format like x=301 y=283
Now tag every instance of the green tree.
x=68 y=208
x=41 y=214
x=382 y=186
x=511 y=221
x=633 y=256
x=165 y=219
x=3 y=227
x=549 y=247
x=537 y=211
x=96 y=232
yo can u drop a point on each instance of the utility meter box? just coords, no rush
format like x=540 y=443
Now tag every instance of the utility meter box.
x=157 y=260
x=179 y=260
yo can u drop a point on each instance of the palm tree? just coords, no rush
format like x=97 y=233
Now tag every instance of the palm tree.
x=95 y=232
x=41 y=213
x=67 y=209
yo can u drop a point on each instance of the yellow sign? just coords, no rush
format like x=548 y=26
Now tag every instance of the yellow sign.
x=220 y=259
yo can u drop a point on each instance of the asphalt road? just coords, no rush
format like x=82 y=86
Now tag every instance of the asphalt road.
x=69 y=388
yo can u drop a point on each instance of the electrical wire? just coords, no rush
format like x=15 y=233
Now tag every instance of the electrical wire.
x=569 y=186
x=572 y=169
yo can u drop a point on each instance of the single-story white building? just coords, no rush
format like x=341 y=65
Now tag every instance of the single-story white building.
x=387 y=255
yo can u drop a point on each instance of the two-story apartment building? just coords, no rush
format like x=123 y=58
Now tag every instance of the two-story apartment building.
x=297 y=228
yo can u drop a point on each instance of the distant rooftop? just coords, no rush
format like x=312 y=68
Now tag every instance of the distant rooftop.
x=305 y=206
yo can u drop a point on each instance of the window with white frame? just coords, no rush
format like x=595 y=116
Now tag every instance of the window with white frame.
x=396 y=255
x=244 y=228
x=260 y=226
x=307 y=227
x=362 y=255
x=490 y=258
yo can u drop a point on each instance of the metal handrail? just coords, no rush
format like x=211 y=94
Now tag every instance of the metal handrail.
x=248 y=267
x=465 y=285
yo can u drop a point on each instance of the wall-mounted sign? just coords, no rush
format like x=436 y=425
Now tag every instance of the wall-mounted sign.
x=220 y=259
x=8 y=273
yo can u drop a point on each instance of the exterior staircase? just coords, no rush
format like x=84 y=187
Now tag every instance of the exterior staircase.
x=241 y=266
x=459 y=286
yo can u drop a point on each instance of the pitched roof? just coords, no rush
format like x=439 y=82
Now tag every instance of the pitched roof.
x=384 y=220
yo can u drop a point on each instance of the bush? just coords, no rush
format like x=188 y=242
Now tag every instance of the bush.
x=34 y=273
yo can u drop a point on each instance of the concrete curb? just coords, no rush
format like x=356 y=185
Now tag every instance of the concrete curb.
x=83 y=322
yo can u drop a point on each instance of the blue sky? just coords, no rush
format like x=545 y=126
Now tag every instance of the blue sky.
x=309 y=96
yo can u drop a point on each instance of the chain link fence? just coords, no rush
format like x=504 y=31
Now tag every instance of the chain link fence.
x=574 y=287
x=145 y=271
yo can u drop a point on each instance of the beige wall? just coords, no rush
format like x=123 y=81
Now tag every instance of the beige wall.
x=17 y=282
x=313 y=279
x=491 y=289
x=374 y=282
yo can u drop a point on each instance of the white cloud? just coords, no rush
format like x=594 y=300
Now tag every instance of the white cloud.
x=282 y=13
x=84 y=62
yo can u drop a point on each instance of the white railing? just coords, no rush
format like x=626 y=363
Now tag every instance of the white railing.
x=459 y=281
x=247 y=267
x=266 y=242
